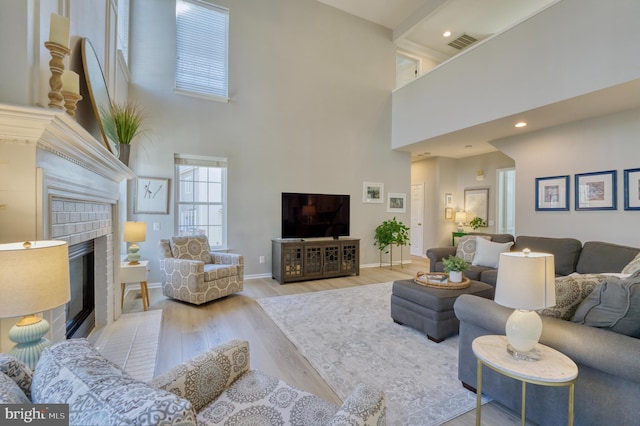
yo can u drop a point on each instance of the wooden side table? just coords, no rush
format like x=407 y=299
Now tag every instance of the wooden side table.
x=135 y=274
x=552 y=369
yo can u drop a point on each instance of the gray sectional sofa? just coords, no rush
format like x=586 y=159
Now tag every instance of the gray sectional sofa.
x=608 y=386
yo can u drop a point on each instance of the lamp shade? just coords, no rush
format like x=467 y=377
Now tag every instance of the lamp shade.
x=461 y=217
x=526 y=280
x=135 y=232
x=34 y=277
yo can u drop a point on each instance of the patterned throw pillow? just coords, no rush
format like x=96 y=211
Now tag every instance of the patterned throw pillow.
x=193 y=247
x=467 y=246
x=571 y=291
x=17 y=371
x=10 y=393
x=633 y=266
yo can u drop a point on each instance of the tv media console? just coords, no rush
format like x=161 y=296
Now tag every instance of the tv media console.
x=301 y=260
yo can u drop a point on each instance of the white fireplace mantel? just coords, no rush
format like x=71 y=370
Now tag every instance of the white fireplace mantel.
x=55 y=131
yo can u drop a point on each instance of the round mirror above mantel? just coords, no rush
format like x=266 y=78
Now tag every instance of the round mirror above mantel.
x=99 y=97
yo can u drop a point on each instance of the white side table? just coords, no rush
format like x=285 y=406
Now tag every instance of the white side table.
x=552 y=369
x=135 y=274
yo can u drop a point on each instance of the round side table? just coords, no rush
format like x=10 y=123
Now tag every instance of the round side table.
x=552 y=369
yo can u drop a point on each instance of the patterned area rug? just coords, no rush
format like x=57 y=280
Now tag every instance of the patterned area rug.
x=349 y=337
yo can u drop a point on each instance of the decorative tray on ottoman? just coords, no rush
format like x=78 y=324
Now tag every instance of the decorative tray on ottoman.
x=440 y=280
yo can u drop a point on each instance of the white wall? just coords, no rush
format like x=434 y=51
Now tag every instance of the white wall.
x=310 y=111
x=604 y=143
x=572 y=48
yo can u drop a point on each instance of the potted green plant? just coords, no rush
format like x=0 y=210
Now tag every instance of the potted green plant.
x=455 y=266
x=389 y=233
x=478 y=222
x=128 y=119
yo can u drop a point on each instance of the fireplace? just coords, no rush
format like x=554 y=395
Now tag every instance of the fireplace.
x=80 y=311
x=65 y=185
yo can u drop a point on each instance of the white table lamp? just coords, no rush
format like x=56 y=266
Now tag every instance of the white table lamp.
x=34 y=278
x=461 y=218
x=134 y=232
x=526 y=281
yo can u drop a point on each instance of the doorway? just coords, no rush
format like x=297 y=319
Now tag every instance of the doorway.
x=506 y=207
x=417 y=220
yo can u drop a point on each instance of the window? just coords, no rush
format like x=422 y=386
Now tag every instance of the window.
x=506 y=201
x=123 y=29
x=201 y=196
x=202 y=40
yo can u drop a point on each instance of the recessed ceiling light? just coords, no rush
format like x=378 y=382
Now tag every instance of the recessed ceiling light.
x=447 y=34
x=521 y=124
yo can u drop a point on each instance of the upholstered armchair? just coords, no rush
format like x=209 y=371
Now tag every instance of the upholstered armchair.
x=192 y=273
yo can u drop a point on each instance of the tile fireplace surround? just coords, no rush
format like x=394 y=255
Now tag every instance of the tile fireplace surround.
x=59 y=182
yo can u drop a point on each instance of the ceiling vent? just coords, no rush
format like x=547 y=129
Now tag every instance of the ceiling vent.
x=463 y=41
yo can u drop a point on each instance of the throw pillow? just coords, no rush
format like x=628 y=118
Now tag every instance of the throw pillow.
x=613 y=305
x=633 y=266
x=571 y=291
x=17 y=371
x=193 y=247
x=10 y=392
x=488 y=252
x=467 y=246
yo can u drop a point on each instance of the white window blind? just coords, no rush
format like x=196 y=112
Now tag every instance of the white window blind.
x=202 y=41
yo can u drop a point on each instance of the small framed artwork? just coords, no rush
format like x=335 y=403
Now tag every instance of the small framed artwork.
x=151 y=195
x=448 y=199
x=552 y=193
x=476 y=203
x=448 y=213
x=372 y=192
x=396 y=203
x=596 y=191
x=632 y=189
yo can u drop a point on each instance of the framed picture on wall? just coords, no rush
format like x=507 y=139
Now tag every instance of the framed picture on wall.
x=372 y=192
x=632 y=189
x=151 y=195
x=596 y=191
x=476 y=203
x=448 y=213
x=448 y=199
x=552 y=193
x=396 y=203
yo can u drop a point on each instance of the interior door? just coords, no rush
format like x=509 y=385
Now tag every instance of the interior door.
x=417 y=220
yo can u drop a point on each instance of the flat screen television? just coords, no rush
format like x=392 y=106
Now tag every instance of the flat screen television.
x=314 y=215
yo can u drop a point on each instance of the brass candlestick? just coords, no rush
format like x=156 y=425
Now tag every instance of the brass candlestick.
x=56 y=65
x=70 y=101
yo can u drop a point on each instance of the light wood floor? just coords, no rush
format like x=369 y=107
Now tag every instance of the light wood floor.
x=188 y=330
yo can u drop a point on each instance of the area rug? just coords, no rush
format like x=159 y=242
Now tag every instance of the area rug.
x=132 y=343
x=348 y=336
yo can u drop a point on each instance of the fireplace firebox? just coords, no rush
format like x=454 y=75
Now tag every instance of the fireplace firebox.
x=80 y=311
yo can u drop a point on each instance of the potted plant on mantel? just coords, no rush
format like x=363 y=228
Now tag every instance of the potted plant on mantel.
x=454 y=266
x=389 y=233
x=128 y=119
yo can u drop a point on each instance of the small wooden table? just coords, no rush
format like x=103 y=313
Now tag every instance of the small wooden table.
x=135 y=274
x=552 y=369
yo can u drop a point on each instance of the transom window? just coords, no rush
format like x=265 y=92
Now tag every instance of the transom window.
x=202 y=43
x=201 y=197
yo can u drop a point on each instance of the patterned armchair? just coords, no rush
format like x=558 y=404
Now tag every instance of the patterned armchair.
x=192 y=273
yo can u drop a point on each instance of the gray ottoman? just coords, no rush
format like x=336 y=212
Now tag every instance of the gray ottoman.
x=430 y=310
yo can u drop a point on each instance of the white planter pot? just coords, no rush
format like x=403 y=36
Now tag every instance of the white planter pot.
x=455 y=276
